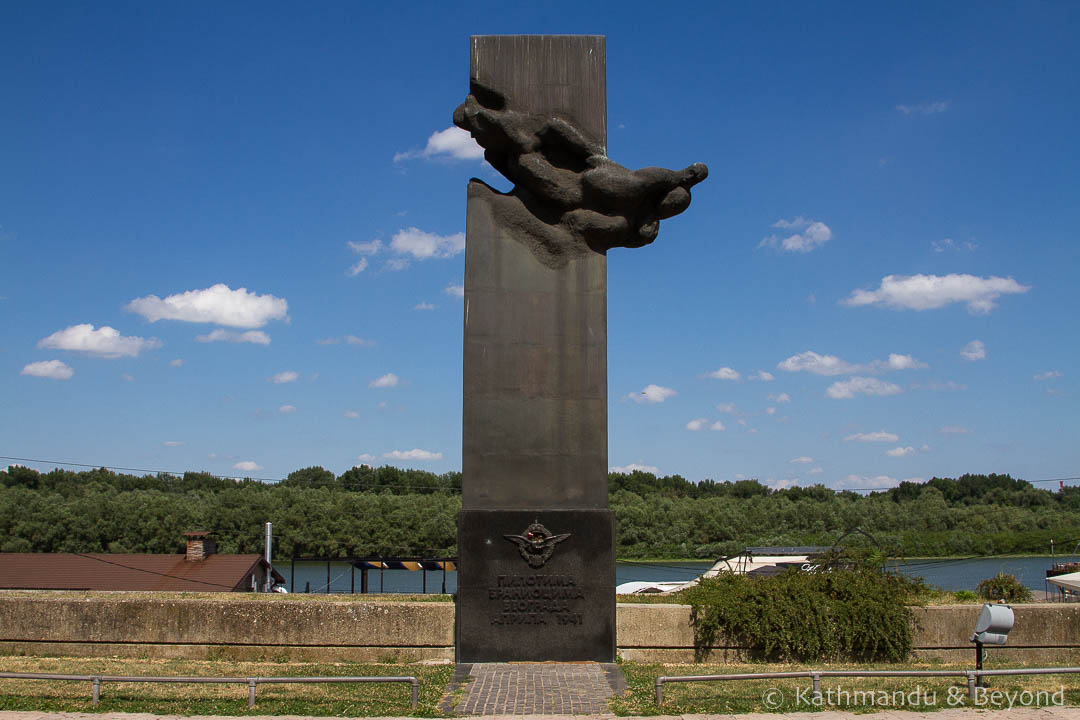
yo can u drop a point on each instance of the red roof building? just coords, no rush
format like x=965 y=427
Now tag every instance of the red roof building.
x=199 y=569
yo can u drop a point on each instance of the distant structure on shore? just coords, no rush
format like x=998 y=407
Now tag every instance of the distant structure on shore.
x=198 y=569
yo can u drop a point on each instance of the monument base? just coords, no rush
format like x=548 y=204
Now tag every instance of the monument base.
x=536 y=585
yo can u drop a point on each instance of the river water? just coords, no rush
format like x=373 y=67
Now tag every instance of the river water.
x=945 y=573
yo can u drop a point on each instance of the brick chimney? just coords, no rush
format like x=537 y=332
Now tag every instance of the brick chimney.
x=199 y=546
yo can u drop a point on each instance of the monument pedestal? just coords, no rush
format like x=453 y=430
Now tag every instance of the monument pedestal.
x=515 y=605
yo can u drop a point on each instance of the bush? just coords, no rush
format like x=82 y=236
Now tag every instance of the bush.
x=1003 y=588
x=965 y=596
x=839 y=615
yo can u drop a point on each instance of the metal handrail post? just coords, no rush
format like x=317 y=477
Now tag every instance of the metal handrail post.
x=251 y=692
x=415 y=692
x=96 y=682
x=659 y=691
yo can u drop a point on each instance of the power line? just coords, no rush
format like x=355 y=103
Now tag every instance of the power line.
x=152 y=572
x=264 y=480
x=688 y=492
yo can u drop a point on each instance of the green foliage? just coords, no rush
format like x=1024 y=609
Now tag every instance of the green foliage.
x=1003 y=588
x=387 y=510
x=965 y=596
x=840 y=615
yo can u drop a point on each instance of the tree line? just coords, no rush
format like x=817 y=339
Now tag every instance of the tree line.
x=391 y=512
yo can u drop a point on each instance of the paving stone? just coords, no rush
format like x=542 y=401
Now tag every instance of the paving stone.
x=536 y=689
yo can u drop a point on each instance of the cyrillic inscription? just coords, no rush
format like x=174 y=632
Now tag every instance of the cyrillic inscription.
x=535 y=600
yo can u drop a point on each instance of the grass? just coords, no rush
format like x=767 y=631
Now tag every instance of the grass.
x=785 y=696
x=344 y=699
x=368 y=700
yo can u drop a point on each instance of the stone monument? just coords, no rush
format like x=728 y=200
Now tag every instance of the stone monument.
x=536 y=540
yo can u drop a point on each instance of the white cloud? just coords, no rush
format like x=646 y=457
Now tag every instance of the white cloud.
x=1048 y=375
x=815 y=235
x=815 y=471
x=457 y=291
x=352 y=414
x=899 y=362
x=697 y=424
x=780 y=399
x=863 y=482
x=256 y=337
x=287 y=409
x=762 y=376
x=652 y=394
x=388 y=380
x=928 y=292
x=52 y=369
x=178 y=362
x=348 y=339
x=104 y=342
x=365 y=248
x=423 y=245
x=218 y=304
x=414 y=454
x=955 y=430
x=974 y=350
x=426 y=305
x=453 y=142
x=931 y=107
x=366 y=458
x=717 y=426
x=879 y=436
x=286 y=376
x=847 y=389
x=728 y=408
x=247 y=466
x=396 y=264
x=770 y=411
x=900 y=451
x=811 y=362
x=801 y=460
x=357 y=267
x=634 y=467
x=173 y=443
x=126 y=377
x=724 y=373
x=949 y=244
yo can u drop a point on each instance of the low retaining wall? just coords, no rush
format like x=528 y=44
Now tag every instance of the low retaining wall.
x=249 y=627
x=244 y=627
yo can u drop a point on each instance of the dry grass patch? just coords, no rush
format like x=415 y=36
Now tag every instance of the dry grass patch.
x=346 y=699
x=850 y=694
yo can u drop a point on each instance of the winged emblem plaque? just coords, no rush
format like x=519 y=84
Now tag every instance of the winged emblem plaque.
x=536 y=544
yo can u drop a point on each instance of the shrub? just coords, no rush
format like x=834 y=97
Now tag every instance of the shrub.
x=839 y=615
x=965 y=596
x=1003 y=588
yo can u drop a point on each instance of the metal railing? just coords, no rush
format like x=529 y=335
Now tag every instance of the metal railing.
x=973 y=676
x=97 y=680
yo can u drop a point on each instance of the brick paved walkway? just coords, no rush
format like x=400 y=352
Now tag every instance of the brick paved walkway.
x=536 y=688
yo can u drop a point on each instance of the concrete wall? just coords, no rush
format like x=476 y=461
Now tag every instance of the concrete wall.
x=295 y=627
x=225 y=626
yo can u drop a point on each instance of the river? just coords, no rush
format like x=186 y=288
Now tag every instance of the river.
x=945 y=573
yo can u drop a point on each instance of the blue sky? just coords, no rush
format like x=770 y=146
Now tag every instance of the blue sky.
x=232 y=236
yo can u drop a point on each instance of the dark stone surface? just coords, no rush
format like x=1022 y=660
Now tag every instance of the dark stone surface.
x=508 y=610
x=535 y=373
